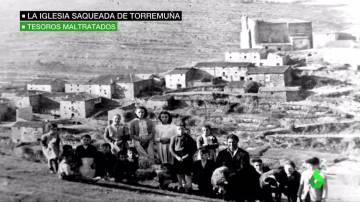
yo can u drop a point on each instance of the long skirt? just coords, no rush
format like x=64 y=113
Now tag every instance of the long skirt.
x=145 y=151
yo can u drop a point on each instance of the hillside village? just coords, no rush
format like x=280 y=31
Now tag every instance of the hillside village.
x=263 y=72
x=265 y=88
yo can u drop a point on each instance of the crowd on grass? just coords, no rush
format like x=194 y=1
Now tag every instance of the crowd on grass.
x=229 y=174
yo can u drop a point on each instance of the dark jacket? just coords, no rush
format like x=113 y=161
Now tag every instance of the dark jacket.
x=235 y=163
x=106 y=165
x=202 y=175
x=243 y=178
x=89 y=152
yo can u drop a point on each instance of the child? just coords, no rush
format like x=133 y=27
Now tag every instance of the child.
x=203 y=170
x=183 y=147
x=105 y=168
x=126 y=166
x=165 y=176
x=69 y=164
x=313 y=183
x=88 y=154
x=207 y=141
x=50 y=143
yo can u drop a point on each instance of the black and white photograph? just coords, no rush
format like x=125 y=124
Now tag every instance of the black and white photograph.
x=180 y=100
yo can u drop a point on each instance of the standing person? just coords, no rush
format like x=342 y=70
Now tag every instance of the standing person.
x=183 y=147
x=243 y=181
x=107 y=161
x=313 y=183
x=203 y=170
x=87 y=153
x=207 y=141
x=117 y=135
x=265 y=189
x=163 y=133
x=142 y=134
x=291 y=183
x=50 y=143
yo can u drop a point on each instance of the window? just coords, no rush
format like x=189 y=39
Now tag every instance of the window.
x=277 y=64
x=224 y=74
x=244 y=56
x=267 y=77
x=266 y=47
x=242 y=78
x=261 y=64
x=279 y=49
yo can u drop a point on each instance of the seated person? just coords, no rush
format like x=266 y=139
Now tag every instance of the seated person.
x=203 y=170
x=69 y=164
x=166 y=175
x=126 y=166
x=88 y=155
x=106 y=162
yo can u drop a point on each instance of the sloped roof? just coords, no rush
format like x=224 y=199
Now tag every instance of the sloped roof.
x=223 y=64
x=117 y=78
x=268 y=70
x=29 y=124
x=78 y=97
x=45 y=81
x=179 y=70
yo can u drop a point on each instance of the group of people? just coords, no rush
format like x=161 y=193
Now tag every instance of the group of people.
x=191 y=161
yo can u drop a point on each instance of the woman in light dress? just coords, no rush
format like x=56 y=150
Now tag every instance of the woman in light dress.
x=164 y=131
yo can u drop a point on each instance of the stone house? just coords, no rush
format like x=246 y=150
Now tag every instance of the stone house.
x=23 y=99
x=281 y=94
x=47 y=85
x=125 y=85
x=27 y=131
x=228 y=71
x=177 y=78
x=259 y=57
x=276 y=76
x=183 y=77
x=81 y=105
x=102 y=89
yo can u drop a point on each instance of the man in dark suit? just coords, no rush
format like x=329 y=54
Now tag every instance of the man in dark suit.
x=243 y=181
x=203 y=170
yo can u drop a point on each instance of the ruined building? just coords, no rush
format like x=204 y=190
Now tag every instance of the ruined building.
x=280 y=35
